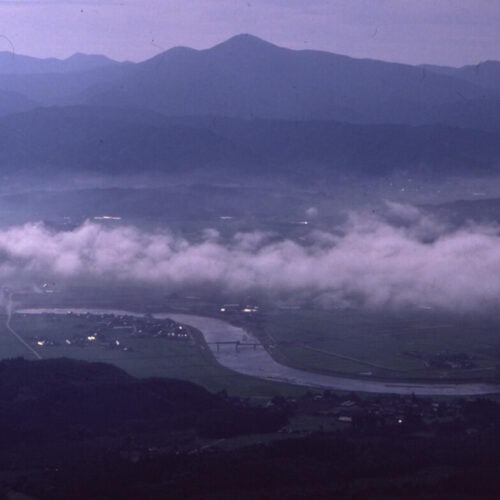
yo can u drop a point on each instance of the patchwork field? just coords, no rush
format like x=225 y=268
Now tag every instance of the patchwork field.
x=419 y=344
x=54 y=336
x=412 y=345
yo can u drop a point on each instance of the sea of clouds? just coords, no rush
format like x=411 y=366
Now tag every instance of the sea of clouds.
x=403 y=258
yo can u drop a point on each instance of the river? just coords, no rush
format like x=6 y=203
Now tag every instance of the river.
x=257 y=362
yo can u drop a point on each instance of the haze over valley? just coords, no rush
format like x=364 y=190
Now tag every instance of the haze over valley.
x=227 y=166
x=207 y=234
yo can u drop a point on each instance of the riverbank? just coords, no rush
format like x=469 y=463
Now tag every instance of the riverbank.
x=238 y=350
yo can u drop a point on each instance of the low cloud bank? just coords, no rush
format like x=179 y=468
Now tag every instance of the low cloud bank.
x=405 y=258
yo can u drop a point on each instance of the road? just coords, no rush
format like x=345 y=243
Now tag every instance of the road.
x=8 y=310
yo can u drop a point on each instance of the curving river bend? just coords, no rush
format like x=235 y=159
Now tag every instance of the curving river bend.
x=257 y=362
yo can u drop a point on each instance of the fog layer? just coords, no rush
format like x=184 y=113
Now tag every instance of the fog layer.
x=404 y=258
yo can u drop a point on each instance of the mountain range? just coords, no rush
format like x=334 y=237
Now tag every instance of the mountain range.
x=247 y=104
x=11 y=63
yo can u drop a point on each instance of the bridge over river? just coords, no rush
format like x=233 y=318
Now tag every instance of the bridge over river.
x=238 y=350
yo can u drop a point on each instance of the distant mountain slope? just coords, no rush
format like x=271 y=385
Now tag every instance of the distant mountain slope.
x=123 y=141
x=479 y=114
x=364 y=148
x=61 y=88
x=14 y=102
x=107 y=140
x=247 y=77
x=485 y=74
x=11 y=63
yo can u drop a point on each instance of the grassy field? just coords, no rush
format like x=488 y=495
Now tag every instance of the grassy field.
x=418 y=344
x=389 y=345
x=144 y=357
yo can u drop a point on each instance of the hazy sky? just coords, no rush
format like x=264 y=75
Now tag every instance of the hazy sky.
x=453 y=32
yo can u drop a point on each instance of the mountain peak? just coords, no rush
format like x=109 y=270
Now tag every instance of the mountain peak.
x=81 y=57
x=244 y=41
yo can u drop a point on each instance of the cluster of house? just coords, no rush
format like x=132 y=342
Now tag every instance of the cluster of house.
x=375 y=411
x=444 y=360
x=238 y=309
x=112 y=331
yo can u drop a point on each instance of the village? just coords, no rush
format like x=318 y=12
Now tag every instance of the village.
x=329 y=411
x=355 y=411
x=444 y=360
x=351 y=415
x=111 y=331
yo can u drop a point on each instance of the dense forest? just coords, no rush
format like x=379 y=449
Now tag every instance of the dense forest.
x=72 y=429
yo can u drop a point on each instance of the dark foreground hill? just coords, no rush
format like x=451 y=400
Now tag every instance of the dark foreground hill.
x=65 y=399
x=52 y=399
x=86 y=430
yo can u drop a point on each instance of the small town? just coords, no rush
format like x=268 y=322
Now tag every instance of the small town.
x=112 y=331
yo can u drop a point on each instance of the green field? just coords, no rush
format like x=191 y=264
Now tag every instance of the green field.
x=145 y=357
x=416 y=344
x=407 y=345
